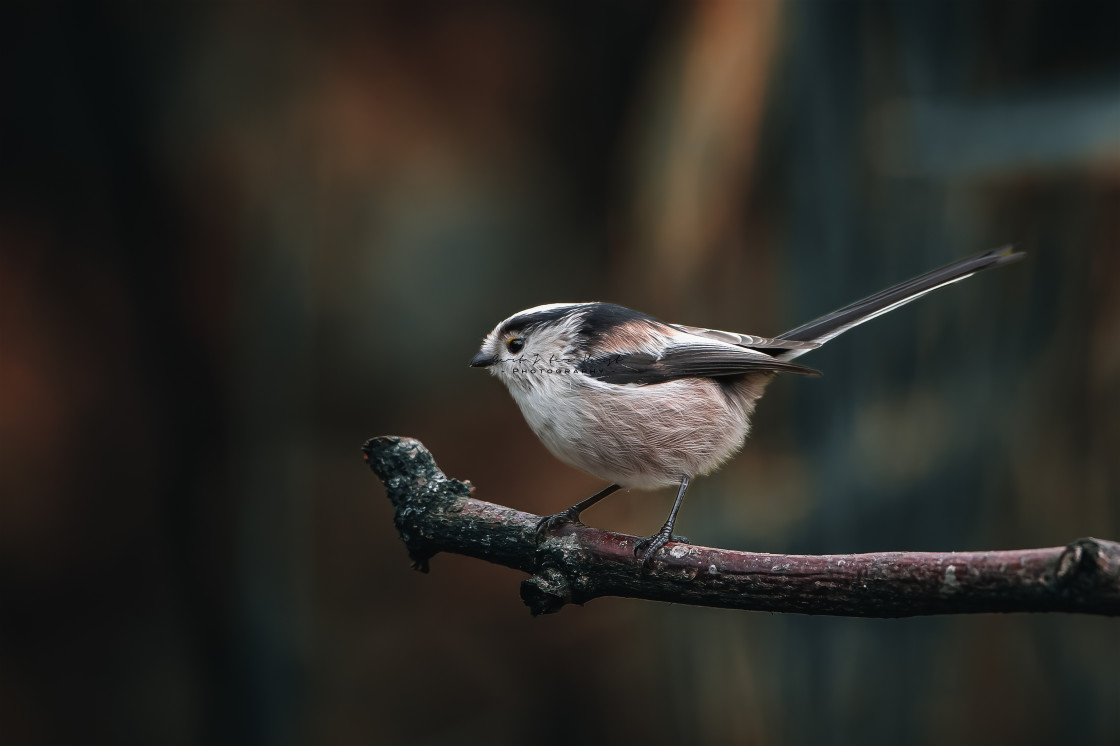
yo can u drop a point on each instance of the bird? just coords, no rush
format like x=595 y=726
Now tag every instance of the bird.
x=645 y=404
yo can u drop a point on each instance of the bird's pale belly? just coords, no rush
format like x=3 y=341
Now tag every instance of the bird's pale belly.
x=644 y=437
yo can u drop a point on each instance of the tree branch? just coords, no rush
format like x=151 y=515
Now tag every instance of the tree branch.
x=435 y=513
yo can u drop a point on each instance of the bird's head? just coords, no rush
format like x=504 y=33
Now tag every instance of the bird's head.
x=529 y=343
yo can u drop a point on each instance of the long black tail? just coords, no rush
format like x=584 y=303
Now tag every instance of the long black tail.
x=833 y=324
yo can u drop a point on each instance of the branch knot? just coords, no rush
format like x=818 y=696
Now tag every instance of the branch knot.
x=547 y=591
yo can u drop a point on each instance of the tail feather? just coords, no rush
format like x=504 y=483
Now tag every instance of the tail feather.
x=833 y=324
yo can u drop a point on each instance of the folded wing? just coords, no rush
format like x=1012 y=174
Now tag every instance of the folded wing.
x=685 y=360
x=747 y=340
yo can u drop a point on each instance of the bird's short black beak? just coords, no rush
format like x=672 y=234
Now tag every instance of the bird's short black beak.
x=483 y=360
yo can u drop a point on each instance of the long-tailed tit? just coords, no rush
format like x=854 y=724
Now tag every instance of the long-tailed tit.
x=642 y=403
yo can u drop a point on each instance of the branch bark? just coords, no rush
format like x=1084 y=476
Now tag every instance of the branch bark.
x=435 y=513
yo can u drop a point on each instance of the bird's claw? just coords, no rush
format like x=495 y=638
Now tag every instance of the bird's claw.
x=550 y=523
x=647 y=548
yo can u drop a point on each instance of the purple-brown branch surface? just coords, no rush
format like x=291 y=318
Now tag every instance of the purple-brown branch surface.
x=435 y=513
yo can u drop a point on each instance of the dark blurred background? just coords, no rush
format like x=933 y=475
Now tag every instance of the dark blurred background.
x=237 y=239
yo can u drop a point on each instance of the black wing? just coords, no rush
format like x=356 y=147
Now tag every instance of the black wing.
x=685 y=361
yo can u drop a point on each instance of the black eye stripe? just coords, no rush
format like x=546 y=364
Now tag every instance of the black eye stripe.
x=595 y=320
x=523 y=322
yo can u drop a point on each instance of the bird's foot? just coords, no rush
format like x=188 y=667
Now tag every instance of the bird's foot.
x=646 y=548
x=550 y=523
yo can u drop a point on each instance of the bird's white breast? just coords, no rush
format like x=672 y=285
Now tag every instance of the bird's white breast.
x=638 y=436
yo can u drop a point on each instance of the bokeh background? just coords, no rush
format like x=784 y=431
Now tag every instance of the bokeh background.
x=237 y=239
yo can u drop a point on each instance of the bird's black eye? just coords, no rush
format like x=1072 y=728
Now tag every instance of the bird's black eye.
x=515 y=345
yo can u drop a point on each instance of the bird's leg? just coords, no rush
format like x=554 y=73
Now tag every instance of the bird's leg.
x=646 y=548
x=571 y=515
